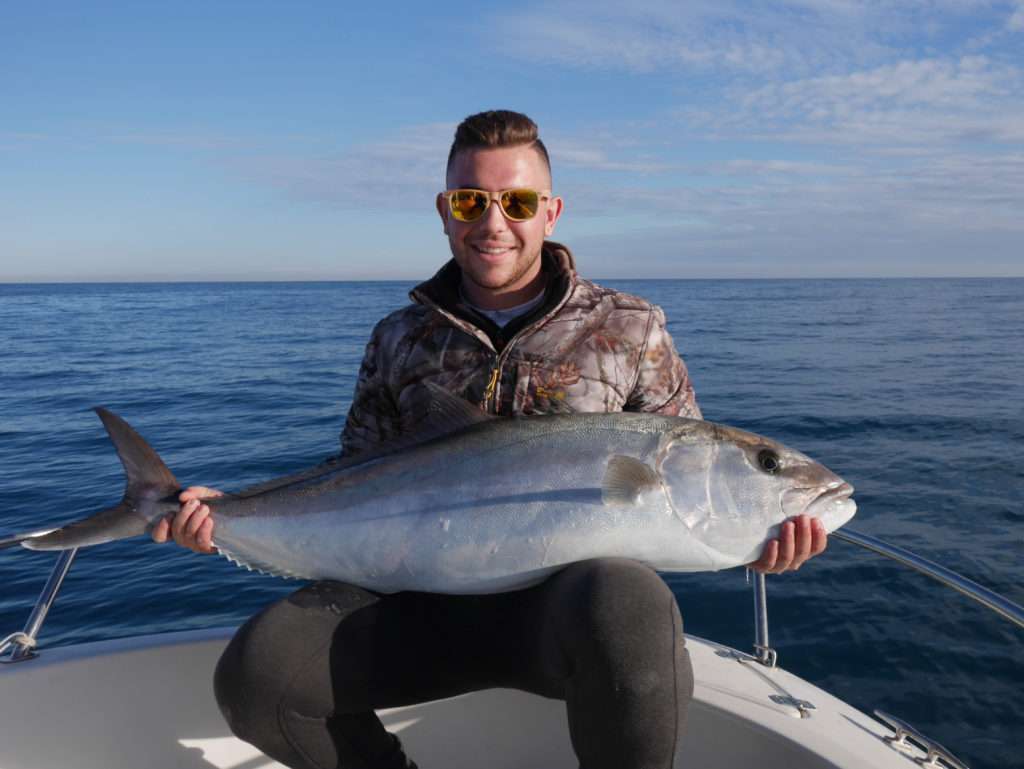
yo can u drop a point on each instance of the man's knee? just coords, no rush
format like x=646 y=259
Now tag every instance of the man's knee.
x=628 y=674
x=617 y=595
x=621 y=623
x=281 y=658
x=244 y=683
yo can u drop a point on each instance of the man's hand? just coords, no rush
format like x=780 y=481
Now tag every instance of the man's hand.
x=192 y=527
x=800 y=538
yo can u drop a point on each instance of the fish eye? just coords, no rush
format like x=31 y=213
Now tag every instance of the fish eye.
x=769 y=461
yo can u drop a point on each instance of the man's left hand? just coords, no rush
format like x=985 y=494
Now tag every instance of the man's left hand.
x=800 y=538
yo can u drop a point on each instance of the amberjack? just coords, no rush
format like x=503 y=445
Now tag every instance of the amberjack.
x=471 y=503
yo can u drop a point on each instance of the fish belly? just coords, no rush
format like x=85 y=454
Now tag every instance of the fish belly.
x=483 y=518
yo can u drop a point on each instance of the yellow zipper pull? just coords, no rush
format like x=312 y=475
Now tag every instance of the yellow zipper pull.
x=492 y=385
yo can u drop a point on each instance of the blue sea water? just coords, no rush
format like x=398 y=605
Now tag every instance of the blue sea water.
x=913 y=390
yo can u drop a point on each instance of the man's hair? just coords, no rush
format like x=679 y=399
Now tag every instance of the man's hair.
x=497 y=128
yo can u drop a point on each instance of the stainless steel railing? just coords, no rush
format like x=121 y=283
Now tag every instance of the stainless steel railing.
x=23 y=643
x=763 y=651
x=990 y=599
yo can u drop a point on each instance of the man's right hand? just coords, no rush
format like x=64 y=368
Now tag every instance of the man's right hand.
x=192 y=527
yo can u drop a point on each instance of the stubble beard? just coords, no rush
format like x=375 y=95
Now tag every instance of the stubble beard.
x=484 y=278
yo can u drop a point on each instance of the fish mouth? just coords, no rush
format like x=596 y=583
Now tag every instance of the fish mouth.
x=817 y=501
x=833 y=503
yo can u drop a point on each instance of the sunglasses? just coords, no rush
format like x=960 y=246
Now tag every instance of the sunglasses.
x=519 y=205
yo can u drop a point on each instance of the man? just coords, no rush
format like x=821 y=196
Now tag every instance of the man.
x=509 y=325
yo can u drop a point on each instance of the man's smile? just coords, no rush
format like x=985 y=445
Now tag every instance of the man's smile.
x=491 y=250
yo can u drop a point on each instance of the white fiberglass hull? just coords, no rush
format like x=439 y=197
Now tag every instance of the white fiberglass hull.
x=148 y=702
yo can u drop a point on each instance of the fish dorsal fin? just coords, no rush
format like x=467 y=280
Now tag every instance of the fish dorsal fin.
x=444 y=413
x=625 y=479
x=448 y=413
x=441 y=413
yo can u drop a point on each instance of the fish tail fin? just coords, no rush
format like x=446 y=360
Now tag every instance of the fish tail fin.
x=150 y=494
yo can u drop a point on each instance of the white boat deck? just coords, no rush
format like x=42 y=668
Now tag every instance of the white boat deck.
x=148 y=702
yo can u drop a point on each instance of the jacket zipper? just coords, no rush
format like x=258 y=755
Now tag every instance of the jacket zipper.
x=491 y=390
x=492 y=386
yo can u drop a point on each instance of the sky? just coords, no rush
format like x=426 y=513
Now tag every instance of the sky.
x=307 y=140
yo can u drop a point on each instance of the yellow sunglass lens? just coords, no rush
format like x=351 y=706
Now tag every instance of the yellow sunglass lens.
x=468 y=205
x=519 y=205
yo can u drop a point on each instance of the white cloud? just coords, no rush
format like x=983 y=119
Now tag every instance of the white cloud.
x=728 y=37
x=970 y=82
x=658 y=36
x=405 y=171
x=936 y=214
x=911 y=104
x=743 y=167
x=1016 y=20
x=594 y=155
x=941 y=215
x=194 y=140
x=16 y=141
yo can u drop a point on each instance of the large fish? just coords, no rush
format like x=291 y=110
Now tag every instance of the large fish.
x=478 y=504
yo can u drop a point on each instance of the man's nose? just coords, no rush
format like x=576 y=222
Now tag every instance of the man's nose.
x=493 y=219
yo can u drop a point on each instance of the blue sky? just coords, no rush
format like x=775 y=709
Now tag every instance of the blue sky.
x=258 y=140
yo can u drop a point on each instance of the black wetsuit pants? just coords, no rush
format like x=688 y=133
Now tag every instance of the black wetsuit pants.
x=300 y=680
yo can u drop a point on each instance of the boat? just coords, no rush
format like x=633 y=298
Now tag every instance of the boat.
x=148 y=702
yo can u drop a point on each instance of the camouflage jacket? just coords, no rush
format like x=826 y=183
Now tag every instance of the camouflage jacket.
x=585 y=348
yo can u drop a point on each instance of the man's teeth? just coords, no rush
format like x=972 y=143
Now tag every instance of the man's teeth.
x=483 y=250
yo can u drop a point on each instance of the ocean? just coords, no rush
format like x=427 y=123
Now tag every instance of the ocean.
x=912 y=390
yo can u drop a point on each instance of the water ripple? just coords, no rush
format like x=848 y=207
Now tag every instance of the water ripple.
x=913 y=390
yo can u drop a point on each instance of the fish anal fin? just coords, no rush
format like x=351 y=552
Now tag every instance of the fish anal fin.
x=626 y=479
x=255 y=564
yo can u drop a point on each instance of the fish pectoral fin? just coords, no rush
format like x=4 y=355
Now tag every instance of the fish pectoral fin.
x=625 y=479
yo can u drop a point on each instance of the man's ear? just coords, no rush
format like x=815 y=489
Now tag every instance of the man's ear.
x=442 y=210
x=554 y=210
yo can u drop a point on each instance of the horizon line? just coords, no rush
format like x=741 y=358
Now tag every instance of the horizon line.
x=200 y=281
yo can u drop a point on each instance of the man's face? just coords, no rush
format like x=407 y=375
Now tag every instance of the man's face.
x=500 y=259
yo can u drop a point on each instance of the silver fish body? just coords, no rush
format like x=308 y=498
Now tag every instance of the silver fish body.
x=501 y=505
x=490 y=505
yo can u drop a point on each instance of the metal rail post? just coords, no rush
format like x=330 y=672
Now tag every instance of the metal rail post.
x=763 y=651
x=22 y=647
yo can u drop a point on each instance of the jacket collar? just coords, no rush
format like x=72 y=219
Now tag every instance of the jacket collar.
x=442 y=290
x=441 y=293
